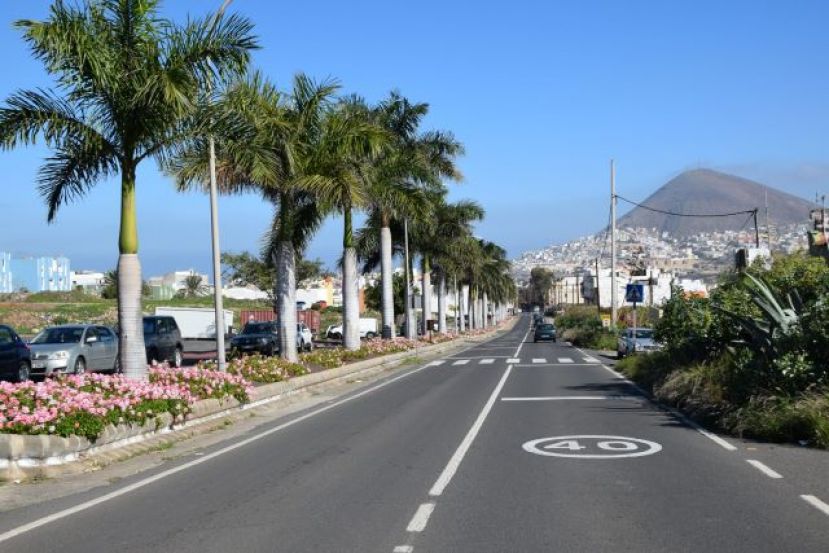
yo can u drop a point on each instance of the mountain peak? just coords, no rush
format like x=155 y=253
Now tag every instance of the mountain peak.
x=706 y=191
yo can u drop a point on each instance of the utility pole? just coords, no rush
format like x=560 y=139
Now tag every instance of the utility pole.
x=768 y=225
x=598 y=294
x=613 y=292
x=218 y=299
x=756 y=229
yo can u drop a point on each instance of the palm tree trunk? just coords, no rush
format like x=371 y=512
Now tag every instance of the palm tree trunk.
x=386 y=278
x=426 y=279
x=484 y=310
x=131 y=337
x=464 y=306
x=351 y=305
x=285 y=292
x=442 y=303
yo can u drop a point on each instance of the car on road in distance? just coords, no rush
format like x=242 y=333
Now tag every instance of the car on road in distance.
x=15 y=356
x=643 y=342
x=162 y=340
x=256 y=337
x=74 y=349
x=368 y=329
x=544 y=331
x=305 y=338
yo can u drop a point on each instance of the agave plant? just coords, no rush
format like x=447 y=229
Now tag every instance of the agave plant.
x=779 y=318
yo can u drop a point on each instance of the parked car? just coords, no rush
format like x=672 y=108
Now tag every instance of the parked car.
x=368 y=330
x=15 y=356
x=162 y=340
x=74 y=349
x=263 y=338
x=305 y=338
x=643 y=342
x=544 y=331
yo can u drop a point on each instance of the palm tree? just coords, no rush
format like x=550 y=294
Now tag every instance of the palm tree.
x=349 y=140
x=274 y=153
x=194 y=286
x=131 y=82
x=452 y=225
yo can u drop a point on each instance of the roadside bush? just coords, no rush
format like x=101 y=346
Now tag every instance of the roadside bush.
x=782 y=419
x=582 y=327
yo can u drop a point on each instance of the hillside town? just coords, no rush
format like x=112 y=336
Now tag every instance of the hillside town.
x=655 y=258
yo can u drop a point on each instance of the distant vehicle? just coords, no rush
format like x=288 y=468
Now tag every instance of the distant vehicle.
x=305 y=338
x=642 y=343
x=74 y=349
x=538 y=318
x=196 y=323
x=263 y=338
x=368 y=329
x=544 y=331
x=162 y=340
x=15 y=356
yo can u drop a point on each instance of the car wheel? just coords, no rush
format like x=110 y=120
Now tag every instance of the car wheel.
x=152 y=356
x=178 y=357
x=80 y=365
x=370 y=336
x=23 y=372
x=310 y=346
x=271 y=351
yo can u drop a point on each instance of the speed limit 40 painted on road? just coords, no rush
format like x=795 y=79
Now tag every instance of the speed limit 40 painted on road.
x=592 y=447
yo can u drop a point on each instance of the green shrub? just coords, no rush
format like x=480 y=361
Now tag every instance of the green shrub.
x=782 y=419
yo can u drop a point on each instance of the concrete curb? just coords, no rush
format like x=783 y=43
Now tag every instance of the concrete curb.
x=23 y=457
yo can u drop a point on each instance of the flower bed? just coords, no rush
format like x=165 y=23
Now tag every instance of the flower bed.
x=262 y=370
x=84 y=405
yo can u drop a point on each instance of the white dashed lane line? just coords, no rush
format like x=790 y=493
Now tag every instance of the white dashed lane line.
x=513 y=360
x=437 y=363
x=403 y=549
x=565 y=360
x=816 y=503
x=421 y=517
x=461 y=362
x=539 y=360
x=486 y=361
x=764 y=468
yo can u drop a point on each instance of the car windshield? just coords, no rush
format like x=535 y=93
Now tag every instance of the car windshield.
x=259 y=328
x=644 y=333
x=546 y=327
x=59 y=336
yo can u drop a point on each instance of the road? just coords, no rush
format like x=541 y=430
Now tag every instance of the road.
x=509 y=446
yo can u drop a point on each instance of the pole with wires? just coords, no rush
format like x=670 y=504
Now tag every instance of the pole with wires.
x=613 y=291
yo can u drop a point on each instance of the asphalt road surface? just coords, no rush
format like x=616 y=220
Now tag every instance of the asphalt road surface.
x=509 y=446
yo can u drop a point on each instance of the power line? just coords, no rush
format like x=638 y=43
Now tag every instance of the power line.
x=675 y=214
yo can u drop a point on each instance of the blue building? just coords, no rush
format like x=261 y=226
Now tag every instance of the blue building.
x=35 y=274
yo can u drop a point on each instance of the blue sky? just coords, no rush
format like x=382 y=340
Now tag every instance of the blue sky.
x=542 y=94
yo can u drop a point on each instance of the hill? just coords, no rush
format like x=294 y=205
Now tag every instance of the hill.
x=708 y=191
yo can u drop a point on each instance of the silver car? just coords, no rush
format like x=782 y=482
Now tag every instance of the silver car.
x=643 y=342
x=74 y=349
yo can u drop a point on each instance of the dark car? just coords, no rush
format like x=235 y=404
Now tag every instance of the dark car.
x=15 y=356
x=162 y=340
x=544 y=331
x=260 y=338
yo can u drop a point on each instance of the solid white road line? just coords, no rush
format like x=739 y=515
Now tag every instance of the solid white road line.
x=456 y=459
x=403 y=549
x=565 y=360
x=713 y=437
x=487 y=361
x=816 y=503
x=762 y=467
x=539 y=360
x=5 y=536
x=421 y=517
x=461 y=362
x=513 y=360
x=568 y=398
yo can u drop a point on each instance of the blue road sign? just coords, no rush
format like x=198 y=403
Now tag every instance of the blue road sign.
x=635 y=293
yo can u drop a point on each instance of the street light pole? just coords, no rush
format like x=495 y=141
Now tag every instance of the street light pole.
x=613 y=290
x=218 y=300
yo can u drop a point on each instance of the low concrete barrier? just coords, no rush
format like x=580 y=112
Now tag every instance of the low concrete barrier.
x=23 y=456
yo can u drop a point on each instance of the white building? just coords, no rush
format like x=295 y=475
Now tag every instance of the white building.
x=88 y=281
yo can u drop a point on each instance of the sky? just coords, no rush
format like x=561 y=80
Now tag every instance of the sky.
x=542 y=94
